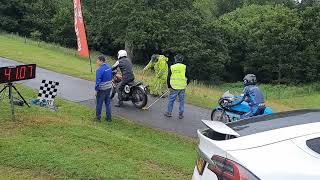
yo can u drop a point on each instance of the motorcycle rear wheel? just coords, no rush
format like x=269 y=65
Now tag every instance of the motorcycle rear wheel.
x=220 y=115
x=141 y=96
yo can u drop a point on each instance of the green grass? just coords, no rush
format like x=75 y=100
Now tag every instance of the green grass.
x=52 y=57
x=67 y=144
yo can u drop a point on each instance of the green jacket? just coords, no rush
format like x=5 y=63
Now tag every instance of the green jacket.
x=160 y=67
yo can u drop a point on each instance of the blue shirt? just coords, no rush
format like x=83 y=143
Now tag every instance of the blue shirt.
x=103 y=77
x=251 y=94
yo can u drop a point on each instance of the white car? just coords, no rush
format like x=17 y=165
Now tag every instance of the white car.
x=282 y=146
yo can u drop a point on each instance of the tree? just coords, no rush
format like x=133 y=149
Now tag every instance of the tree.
x=63 y=23
x=306 y=3
x=207 y=8
x=225 y=6
x=287 y=3
x=310 y=45
x=272 y=41
x=11 y=14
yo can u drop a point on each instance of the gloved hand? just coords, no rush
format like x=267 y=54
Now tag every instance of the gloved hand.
x=225 y=104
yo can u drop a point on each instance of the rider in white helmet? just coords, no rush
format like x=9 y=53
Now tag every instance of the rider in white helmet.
x=125 y=67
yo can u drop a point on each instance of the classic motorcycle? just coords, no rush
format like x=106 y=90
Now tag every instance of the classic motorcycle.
x=227 y=114
x=135 y=91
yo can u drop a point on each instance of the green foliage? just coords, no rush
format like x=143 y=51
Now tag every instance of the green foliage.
x=287 y=3
x=307 y=3
x=272 y=39
x=207 y=8
x=63 y=21
x=36 y=35
x=11 y=13
x=221 y=39
x=310 y=45
x=225 y=6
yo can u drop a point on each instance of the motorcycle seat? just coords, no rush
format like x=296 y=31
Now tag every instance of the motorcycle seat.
x=135 y=83
x=131 y=83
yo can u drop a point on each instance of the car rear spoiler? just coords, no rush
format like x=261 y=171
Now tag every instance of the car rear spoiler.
x=260 y=118
x=220 y=127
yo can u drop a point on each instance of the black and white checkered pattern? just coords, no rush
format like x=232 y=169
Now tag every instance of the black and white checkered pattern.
x=48 y=90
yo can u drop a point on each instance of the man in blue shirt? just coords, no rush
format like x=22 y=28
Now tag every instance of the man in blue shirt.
x=103 y=87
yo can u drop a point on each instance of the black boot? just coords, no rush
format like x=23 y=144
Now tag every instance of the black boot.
x=181 y=116
x=167 y=114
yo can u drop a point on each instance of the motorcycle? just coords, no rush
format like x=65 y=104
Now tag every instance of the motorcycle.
x=135 y=91
x=227 y=114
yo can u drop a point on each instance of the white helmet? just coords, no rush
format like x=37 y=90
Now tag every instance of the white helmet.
x=122 y=53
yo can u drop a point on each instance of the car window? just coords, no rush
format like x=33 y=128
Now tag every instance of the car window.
x=314 y=144
x=275 y=121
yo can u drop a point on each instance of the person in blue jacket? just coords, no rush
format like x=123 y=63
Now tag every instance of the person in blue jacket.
x=251 y=94
x=103 y=88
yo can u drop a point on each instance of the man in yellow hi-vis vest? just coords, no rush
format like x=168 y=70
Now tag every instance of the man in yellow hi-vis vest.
x=178 y=79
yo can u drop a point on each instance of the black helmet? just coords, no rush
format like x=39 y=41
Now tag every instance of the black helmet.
x=179 y=58
x=250 y=79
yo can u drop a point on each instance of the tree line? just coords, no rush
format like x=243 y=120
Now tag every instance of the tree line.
x=278 y=40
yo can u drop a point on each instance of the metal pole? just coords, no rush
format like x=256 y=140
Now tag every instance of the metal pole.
x=90 y=61
x=11 y=101
x=21 y=96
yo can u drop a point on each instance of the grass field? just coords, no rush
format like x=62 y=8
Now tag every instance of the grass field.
x=67 y=144
x=52 y=57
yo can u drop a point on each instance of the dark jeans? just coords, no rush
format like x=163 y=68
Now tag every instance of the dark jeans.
x=172 y=97
x=103 y=96
x=254 y=111
x=121 y=86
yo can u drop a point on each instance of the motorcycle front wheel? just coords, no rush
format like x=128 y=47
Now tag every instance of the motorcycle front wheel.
x=220 y=115
x=140 y=98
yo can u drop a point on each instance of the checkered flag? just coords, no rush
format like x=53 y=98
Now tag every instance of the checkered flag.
x=48 y=90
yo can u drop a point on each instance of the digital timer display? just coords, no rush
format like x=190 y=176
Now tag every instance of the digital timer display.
x=17 y=73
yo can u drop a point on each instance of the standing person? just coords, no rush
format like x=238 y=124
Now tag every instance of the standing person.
x=103 y=88
x=178 y=79
x=159 y=80
x=125 y=67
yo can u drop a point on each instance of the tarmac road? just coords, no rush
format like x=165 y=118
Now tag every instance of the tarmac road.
x=82 y=91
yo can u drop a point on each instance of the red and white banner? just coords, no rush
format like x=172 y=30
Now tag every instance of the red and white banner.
x=80 y=30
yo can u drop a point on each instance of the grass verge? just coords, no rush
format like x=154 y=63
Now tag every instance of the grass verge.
x=67 y=144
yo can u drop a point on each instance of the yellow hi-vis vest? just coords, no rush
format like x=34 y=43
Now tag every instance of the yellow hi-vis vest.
x=178 y=78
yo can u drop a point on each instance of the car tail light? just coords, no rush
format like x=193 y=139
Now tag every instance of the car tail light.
x=227 y=169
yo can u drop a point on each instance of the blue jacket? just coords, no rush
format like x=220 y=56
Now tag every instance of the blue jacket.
x=103 y=77
x=251 y=94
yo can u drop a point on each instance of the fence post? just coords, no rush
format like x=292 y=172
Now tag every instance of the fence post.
x=25 y=39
